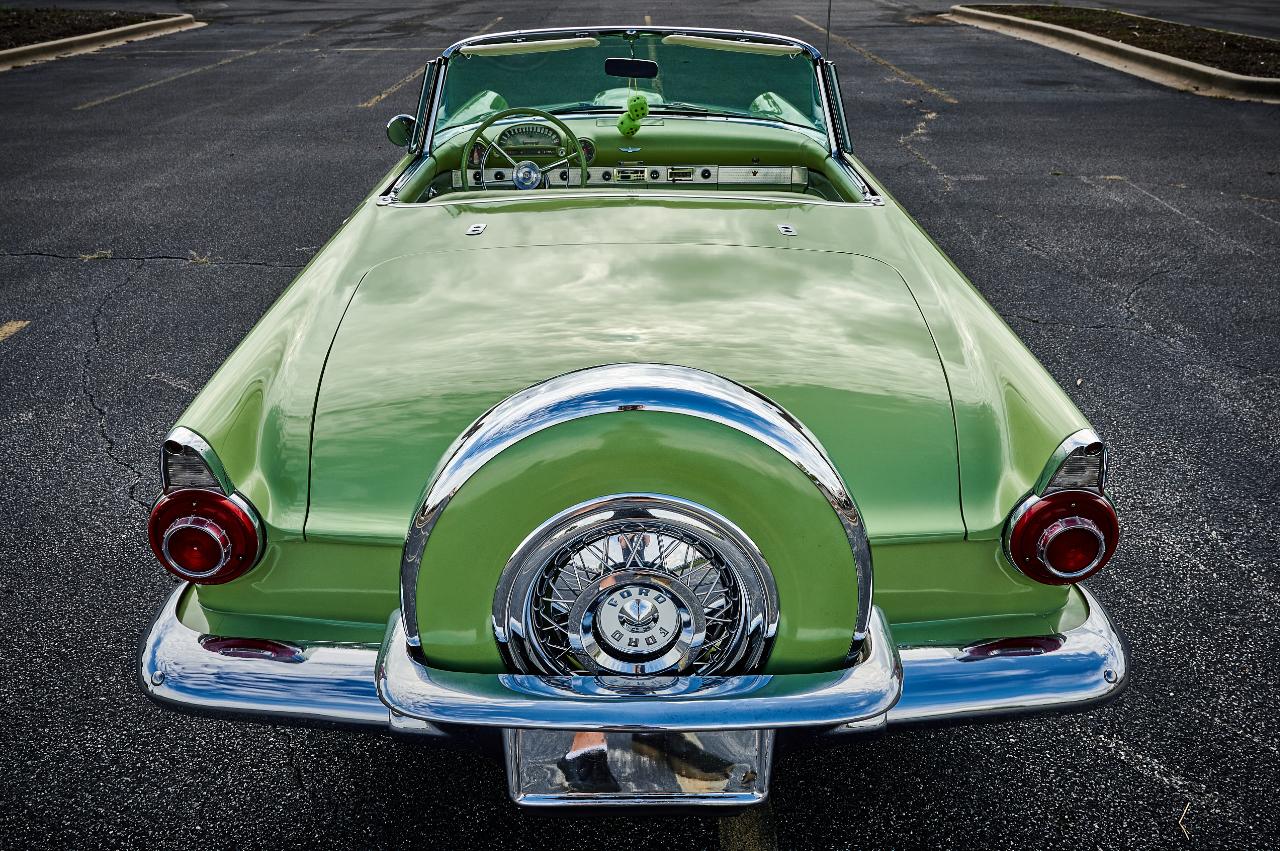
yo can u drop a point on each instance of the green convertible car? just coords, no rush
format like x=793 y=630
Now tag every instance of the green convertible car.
x=584 y=434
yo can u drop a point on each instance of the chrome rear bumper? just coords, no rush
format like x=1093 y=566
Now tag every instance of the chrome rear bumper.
x=355 y=685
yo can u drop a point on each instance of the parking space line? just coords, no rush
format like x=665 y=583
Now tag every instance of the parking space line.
x=13 y=326
x=417 y=72
x=487 y=27
x=905 y=76
x=209 y=67
x=392 y=89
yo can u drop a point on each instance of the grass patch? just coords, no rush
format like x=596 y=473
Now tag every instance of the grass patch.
x=1226 y=51
x=20 y=27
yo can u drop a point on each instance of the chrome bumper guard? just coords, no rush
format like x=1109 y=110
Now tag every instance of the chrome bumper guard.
x=355 y=685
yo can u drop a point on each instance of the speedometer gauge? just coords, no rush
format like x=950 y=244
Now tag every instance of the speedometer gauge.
x=531 y=140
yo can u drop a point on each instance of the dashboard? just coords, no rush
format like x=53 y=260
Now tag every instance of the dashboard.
x=667 y=154
x=489 y=169
x=639 y=174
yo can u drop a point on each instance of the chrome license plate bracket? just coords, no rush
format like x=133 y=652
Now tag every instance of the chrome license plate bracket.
x=656 y=768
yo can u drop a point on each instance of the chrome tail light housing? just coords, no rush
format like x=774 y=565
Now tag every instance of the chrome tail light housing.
x=201 y=530
x=1066 y=530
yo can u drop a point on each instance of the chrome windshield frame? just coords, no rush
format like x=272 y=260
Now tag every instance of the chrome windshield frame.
x=431 y=98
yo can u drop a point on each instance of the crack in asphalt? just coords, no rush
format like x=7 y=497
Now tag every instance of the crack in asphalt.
x=191 y=258
x=1127 y=302
x=86 y=387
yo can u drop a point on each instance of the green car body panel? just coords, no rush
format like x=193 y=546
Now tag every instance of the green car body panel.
x=335 y=410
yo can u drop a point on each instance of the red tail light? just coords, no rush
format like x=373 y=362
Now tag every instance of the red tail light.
x=204 y=536
x=1064 y=537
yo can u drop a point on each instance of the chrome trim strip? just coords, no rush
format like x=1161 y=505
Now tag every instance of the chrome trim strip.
x=331 y=683
x=437 y=87
x=1081 y=668
x=753 y=701
x=871 y=196
x=833 y=143
x=188 y=439
x=482 y=197
x=630 y=387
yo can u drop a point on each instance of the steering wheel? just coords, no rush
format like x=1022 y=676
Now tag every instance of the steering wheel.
x=525 y=174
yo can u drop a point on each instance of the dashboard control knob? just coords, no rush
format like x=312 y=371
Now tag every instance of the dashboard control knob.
x=653 y=174
x=564 y=175
x=608 y=175
x=477 y=176
x=706 y=174
x=499 y=175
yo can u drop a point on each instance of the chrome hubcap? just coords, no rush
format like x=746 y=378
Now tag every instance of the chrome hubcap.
x=636 y=585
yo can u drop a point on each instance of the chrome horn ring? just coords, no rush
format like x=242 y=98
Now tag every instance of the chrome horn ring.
x=701 y=598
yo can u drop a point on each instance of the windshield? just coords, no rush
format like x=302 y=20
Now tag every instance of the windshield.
x=692 y=78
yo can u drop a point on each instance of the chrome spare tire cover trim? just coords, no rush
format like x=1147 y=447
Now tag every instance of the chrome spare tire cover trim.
x=632 y=387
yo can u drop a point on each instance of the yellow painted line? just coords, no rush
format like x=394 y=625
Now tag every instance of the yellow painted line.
x=417 y=72
x=209 y=67
x=487 y=27
x=13 y=326
x=879 y=60
x=387 y=92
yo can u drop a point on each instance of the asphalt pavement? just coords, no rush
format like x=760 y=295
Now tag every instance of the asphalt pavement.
x=157 y=197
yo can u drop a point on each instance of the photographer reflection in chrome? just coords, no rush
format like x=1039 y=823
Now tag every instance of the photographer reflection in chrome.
x=586 y=764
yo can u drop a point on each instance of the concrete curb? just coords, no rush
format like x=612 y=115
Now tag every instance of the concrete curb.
x=29 y=53
x=1156 y=67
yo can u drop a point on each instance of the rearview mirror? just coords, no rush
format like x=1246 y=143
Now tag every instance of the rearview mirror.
x=644 y=69
x=400 y=130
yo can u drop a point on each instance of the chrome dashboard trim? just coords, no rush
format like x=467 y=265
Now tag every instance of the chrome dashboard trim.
x=630 y=387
